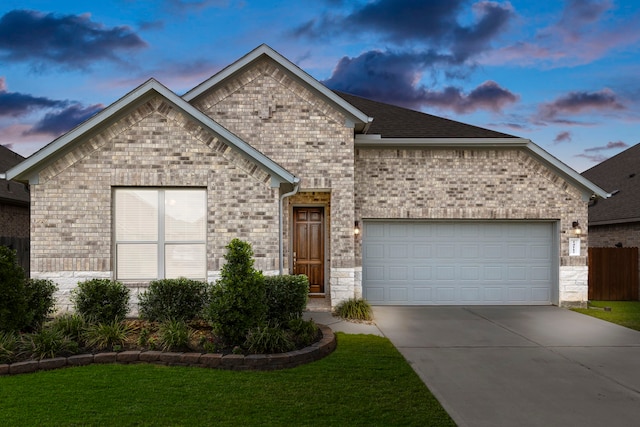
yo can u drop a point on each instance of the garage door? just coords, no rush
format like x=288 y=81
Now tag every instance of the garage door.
x=451 y=263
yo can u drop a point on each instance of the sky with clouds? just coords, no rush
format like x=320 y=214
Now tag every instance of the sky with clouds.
x=561 y=73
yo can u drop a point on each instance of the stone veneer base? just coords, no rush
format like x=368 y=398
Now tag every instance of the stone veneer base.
x=253 y=362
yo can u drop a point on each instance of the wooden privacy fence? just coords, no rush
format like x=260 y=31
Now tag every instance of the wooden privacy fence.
x=613 y=274
x=21 y=246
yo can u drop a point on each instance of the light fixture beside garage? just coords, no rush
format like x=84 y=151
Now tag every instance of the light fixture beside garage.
x=576 y=228
x=356 y=228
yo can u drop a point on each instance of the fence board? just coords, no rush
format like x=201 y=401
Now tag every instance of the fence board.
x=21 y=246
x=613 y=274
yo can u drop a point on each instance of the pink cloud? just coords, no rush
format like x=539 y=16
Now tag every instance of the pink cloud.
x=584 y=32
x=577 y=102
x=562 y=137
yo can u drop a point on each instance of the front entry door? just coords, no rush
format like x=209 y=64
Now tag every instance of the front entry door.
x=308 y=246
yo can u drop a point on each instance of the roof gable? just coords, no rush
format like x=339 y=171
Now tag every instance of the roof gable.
x=621 y=176
x=28 y=170
x=396 y=126
x=357 y=117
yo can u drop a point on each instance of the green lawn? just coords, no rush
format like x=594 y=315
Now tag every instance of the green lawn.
x=364 y=382
x=625 y=313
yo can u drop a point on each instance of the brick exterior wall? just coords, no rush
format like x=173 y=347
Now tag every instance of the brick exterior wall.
x=156 y=146
x=296 y=128
x=413 y=183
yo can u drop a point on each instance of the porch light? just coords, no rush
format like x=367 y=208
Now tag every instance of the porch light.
x=576 y=228
x=356 y=228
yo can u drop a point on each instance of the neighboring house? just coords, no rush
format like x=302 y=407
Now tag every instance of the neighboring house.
x=615 y=221
x=14 y=209
x=367 y=199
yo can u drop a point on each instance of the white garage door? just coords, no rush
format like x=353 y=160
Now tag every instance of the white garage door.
x=459 y=263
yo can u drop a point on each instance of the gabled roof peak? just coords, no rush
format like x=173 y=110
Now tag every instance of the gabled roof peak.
x=296 y=72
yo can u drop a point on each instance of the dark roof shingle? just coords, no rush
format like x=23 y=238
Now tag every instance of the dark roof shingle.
x=391 y=121
x=619 y=175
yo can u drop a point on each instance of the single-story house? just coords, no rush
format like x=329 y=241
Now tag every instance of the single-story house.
x=14 y=210
x=615 y=221
x=365 y=198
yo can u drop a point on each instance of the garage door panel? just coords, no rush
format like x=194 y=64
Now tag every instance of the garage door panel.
x=398 y=295
x=375 y=294
x=445 y=272
x=421 y=273
x=398 y=273
x=469 y=294
x=421 y=251
x=421 y=294
x=397 y=251
x=475 y=262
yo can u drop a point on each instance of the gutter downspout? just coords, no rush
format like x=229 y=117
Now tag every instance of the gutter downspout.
x=280 y=226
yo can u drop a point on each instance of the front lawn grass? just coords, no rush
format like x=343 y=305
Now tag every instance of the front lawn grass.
x=366 y=381
x=625 y=313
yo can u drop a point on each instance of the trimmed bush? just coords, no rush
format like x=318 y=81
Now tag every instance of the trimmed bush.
x=101 y=300
x=40 y=301
x=286 y=297
x=108 y=335
x=305 y=332
x=178 y=299
x=8 y=347
x=354 y=309
x=238 y=298
x=13 y=303
x=71 y=325
x=174 y=335
x=47 y=343
x=270 y=338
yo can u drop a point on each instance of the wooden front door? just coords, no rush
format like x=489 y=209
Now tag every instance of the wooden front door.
x=308 y=246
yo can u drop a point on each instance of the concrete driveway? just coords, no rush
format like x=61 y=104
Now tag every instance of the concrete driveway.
x=520 y=366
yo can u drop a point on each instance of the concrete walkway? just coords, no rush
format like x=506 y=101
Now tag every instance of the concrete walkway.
x=520 y=366
x=339 y=325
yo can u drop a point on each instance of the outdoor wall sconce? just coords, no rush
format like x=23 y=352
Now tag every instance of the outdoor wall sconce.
x=356 y=228
x=576 y=228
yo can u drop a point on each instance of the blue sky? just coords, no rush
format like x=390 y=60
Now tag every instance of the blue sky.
x=564 y=74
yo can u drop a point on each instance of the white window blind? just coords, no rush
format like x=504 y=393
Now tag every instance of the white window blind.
x=160 y=233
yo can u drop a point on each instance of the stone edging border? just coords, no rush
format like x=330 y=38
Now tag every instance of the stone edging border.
x=237 y=362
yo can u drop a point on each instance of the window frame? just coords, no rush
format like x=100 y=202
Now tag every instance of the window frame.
x=160 y=241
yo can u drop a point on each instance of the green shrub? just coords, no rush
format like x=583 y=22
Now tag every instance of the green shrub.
x=101 y=300
x=109 y=335
x=238 y=298
x=304 y=332
x=47 y=343
x=354 y=309
x=72 y=325
x=286 y=297
x=40 y=301
x=270 y=338
x=13 y=303
x=8 y=347
x=174 y=335
x=179 y=299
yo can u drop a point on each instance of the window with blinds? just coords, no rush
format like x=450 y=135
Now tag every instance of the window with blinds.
x=160 y=233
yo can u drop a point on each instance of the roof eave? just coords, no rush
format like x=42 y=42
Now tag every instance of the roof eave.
x=352 y=112
x=614 y=221
x=588 y=187
x=28 y=169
